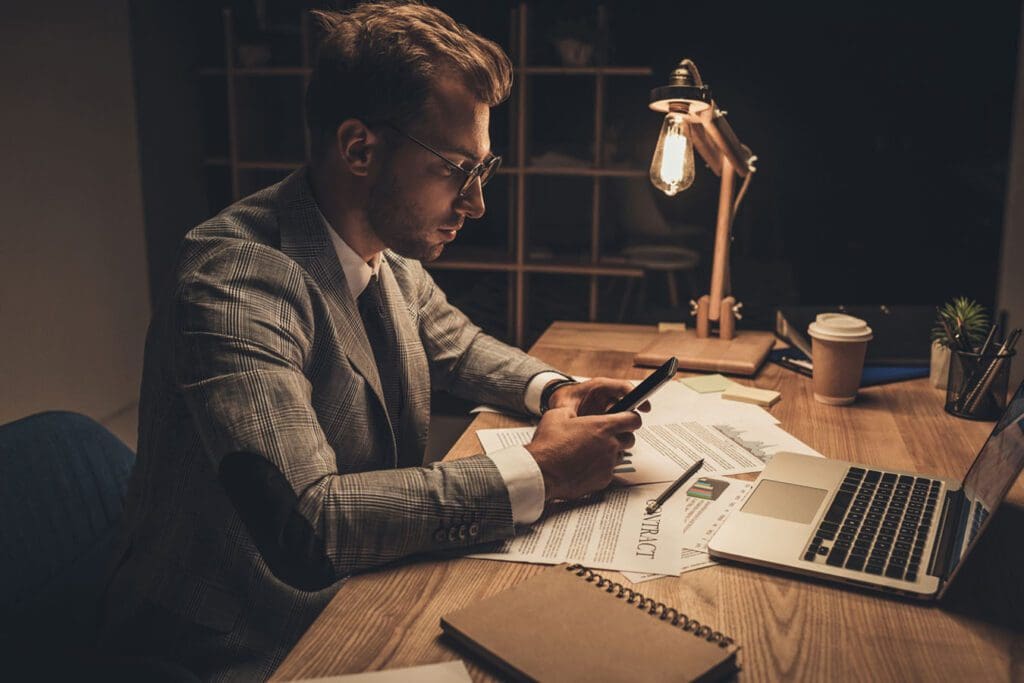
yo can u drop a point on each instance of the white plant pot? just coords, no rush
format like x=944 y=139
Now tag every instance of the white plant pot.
x=939 y=372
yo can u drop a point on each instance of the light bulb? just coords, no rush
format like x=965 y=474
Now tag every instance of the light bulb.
x=672 y=166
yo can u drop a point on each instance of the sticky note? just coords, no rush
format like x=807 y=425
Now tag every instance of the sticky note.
x=705 y=384
x=761 y=397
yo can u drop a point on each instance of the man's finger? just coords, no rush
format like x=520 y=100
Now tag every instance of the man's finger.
x=616 y=423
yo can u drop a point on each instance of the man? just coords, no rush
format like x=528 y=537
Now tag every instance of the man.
x=285 y=397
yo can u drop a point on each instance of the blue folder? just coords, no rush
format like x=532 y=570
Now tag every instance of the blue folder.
x=872 y=375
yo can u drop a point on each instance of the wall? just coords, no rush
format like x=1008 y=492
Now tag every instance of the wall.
x=73 y=281
x=1010 y=291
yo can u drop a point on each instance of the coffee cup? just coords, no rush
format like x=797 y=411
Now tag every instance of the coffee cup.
x=838 y=345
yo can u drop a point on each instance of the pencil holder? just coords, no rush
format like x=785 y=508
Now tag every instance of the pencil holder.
x=976 y=388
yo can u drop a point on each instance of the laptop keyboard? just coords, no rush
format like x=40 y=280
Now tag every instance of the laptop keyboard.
x=878 y=523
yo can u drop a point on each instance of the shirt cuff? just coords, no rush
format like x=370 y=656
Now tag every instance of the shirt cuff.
x=524 y=482
x=536 y=387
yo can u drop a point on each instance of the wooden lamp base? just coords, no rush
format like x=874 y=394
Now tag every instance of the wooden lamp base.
x=699 y=350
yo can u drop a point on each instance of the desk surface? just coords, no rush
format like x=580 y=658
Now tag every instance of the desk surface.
x=789 y=628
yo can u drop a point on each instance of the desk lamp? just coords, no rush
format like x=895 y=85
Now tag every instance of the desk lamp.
x=694 y=121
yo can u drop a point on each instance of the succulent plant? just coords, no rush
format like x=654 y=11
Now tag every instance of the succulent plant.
x=961 y=316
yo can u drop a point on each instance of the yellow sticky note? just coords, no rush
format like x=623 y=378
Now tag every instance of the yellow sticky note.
x=705 y=384
x=761 y=397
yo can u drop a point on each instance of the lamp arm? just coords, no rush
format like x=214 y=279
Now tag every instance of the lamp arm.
x=688 y=63
x=723 y=137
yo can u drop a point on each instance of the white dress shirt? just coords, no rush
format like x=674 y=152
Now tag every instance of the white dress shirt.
x=517 y=467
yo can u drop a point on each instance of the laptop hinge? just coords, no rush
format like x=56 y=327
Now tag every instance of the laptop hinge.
x=949 y=532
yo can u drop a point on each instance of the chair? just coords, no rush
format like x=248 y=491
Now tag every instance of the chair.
x=62 y=483
x=655 y=243
x=63 y=479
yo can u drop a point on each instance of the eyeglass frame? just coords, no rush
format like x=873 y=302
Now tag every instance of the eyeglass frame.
x=484 y=171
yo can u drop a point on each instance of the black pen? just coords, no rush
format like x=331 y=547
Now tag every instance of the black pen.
x=988 y=340
x=673 y=487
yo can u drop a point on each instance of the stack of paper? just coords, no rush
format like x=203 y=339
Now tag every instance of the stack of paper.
x=611 y=529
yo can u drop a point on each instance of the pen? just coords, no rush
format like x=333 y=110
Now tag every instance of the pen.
x=673 y=487
x=977 y=373
x=974 y=396
x=988 y=340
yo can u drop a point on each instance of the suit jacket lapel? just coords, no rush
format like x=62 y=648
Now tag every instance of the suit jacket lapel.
x=414 y=371
x=304 y=239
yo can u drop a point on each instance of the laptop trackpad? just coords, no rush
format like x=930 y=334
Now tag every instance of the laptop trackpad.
x=791 y=502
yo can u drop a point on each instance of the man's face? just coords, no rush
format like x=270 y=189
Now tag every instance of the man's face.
x=414 y=205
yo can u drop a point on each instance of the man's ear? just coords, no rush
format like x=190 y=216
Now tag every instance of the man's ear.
x=357 y=145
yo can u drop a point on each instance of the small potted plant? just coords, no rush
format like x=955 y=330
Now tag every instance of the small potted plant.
x=967 y=321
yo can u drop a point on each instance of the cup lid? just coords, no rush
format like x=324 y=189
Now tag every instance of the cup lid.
x=839 y=327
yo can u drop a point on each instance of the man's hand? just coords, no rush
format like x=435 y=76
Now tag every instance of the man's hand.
x=576 y=454
x=593 y=397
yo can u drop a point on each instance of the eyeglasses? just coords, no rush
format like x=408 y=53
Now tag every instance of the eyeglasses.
x=485 y=170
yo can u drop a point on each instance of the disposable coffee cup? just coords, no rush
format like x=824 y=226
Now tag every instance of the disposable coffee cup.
x=838 y=345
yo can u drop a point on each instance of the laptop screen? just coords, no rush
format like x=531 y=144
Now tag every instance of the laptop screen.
x=994 y=471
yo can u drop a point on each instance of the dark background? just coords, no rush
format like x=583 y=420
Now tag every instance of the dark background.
x=883 y=137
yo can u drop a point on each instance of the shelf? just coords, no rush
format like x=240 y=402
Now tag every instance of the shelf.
x=256 y=165
x=575 y=268
x=529 y=71
x=585 y=70
x=587 y=171
x=560 y=267
x=504 y=170
x=256 y=113
x=257 y=71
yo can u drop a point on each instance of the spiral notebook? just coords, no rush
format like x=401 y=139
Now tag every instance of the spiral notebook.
x=569 y=624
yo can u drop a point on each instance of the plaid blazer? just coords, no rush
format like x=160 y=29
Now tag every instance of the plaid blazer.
x=258 y=364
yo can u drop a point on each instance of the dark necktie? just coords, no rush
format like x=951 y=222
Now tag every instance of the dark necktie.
x=380 y=330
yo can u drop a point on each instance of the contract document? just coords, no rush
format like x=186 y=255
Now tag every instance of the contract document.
x=708 y=501
x=607 y=530
x=664 y=451
x=692 y=560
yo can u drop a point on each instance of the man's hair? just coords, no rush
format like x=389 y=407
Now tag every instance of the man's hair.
x=378 y=62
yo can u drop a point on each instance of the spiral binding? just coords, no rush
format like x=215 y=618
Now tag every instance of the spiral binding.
x=658 y=609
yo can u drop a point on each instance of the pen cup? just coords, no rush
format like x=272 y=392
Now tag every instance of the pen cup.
x=976 y=388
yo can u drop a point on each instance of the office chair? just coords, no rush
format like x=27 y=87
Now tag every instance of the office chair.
x=63 y=479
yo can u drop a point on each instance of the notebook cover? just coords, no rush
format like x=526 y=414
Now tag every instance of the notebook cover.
x=557 y=626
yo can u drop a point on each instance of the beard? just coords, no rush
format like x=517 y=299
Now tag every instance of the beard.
x=399 y=222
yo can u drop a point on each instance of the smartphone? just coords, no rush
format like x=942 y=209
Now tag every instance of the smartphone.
x=644 y=390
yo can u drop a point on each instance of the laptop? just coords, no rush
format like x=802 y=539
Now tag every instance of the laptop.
x=885 y=529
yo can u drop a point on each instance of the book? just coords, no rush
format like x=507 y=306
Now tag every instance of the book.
x=568 y=623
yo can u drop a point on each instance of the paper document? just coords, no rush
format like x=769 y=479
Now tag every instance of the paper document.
x=444 y=672
x=664 y=451
x=676 y=402
x=708 y=502
x=692 y=560
x=607 y=530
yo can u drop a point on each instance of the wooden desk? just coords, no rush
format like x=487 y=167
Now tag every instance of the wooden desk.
x=790 y=628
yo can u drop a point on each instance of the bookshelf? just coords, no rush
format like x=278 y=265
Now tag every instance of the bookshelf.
x=247 y=162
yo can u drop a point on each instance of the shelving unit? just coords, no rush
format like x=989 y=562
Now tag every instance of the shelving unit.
x=514 y=260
